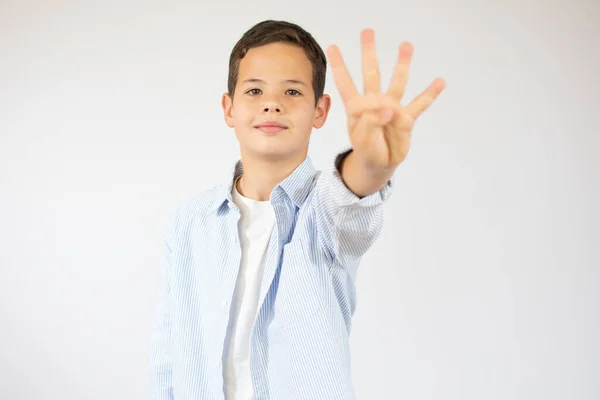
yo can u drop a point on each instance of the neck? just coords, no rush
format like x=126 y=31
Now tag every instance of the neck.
x=262 y=174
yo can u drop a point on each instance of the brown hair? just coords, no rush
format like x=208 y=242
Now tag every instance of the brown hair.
x=279 y=31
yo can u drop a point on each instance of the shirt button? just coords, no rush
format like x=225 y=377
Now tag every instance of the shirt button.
x=224 y=303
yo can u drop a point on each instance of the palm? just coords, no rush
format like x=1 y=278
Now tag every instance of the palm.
x=380 y=140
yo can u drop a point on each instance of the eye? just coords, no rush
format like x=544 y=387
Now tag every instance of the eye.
x=253 y=92
x=294 y=92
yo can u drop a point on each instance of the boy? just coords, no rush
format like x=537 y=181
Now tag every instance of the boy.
x=259 y=275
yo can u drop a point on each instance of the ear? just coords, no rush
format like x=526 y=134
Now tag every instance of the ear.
x=321 y=111
x=227 y=105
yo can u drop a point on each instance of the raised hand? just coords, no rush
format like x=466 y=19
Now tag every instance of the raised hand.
x=379 y=127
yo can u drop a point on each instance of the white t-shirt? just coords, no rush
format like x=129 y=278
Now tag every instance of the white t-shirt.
x=255 y=227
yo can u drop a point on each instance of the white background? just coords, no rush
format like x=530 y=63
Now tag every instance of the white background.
x=484 y=283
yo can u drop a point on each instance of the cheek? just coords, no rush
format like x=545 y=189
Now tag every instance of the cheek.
x=305 y=117
x=242 y=113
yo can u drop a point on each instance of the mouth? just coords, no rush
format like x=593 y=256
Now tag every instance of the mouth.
x=271 y=127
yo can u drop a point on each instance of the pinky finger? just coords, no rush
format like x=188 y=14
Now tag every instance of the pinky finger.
x=422 y=102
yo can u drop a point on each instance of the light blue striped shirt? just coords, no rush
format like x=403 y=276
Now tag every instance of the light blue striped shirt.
x=300 y=340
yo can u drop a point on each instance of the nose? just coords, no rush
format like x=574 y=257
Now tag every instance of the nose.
x=272 y=105
x=272 y=108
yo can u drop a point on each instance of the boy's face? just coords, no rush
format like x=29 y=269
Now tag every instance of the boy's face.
x=273 y=108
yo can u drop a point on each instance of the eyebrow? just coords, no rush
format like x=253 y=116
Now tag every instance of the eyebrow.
x=294 y=81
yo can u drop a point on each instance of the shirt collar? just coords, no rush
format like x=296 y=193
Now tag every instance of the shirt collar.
x=296 y=186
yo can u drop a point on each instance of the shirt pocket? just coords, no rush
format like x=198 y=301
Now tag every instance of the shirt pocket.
x=301 y=286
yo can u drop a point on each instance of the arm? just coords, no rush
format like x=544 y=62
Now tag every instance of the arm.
x=350 y=199
x=360 y=180
x=347 y=224
x=160 y=357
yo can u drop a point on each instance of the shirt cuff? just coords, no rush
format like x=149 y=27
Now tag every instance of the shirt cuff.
x=343 y=196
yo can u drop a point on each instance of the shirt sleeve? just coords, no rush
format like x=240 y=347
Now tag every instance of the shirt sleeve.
x=160 y=378
x=347 y=225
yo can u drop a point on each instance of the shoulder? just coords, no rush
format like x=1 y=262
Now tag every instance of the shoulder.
x=190 y=210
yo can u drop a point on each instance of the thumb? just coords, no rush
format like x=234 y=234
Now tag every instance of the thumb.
x=367 y=124
x=385 y=115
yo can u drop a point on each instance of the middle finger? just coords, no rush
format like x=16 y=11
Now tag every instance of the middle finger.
x=370 y=67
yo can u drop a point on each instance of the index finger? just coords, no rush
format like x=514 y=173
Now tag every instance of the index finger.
x=341 y=76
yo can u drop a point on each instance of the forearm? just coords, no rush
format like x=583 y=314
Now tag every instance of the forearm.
x=360 y=180
x=347 y=224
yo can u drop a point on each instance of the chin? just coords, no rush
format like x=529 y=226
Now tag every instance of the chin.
x=275 y=151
